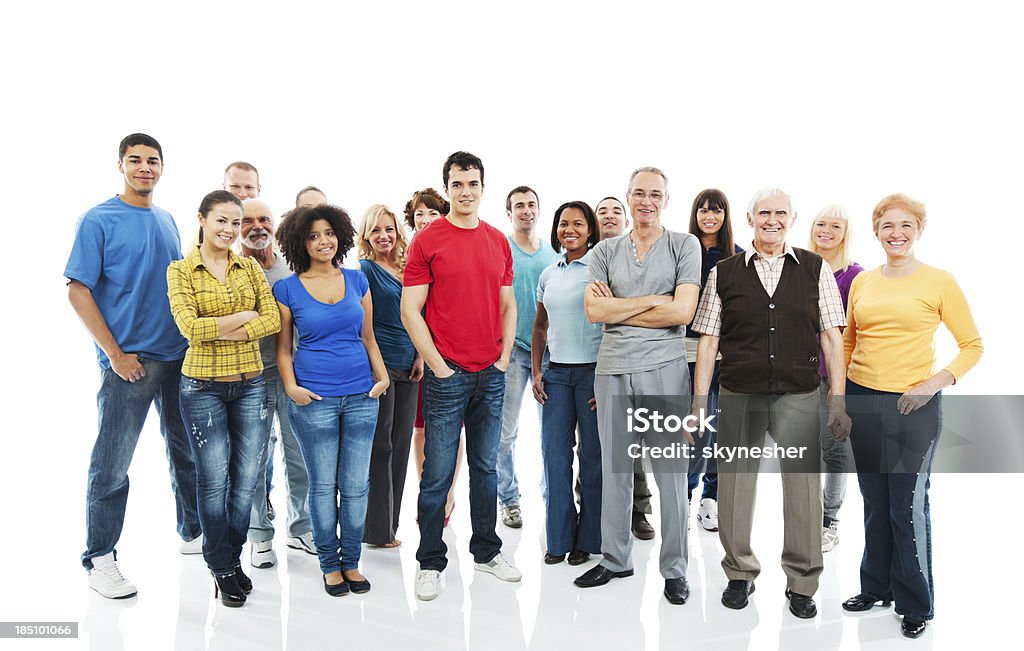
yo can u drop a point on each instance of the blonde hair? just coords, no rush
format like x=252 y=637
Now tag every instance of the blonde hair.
x=370 y=219
x=835 y=211
x=902 y=202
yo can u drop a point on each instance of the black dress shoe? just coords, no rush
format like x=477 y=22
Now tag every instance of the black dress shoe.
x=599 y=575
x=244 y=582
x=642 y=529
x=336 y=589
x=358 y=587
x=553 y=559
x=735 y=595
x=863 y=602
x=801 y=605
x=911 y=627
x=228 y=590
x=677 y=591
x=577 y=557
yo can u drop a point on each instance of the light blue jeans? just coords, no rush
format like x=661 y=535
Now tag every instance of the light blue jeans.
x=336 y=438
x=517 y=378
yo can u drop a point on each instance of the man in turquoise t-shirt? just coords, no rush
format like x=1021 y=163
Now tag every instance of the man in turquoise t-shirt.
x=530 y=256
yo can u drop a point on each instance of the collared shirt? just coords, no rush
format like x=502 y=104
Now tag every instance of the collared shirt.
x=572 y=338
x=197 y=299
x=708 y=319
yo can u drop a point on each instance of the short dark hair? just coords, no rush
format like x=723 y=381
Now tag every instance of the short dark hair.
x=242 y=165
x=716 y=200
x=216 y=198
x=308 y=188
x=428 y=197
x=295 y=227
x=138 y=139
x=588 y=213
x=522 y=189
x=464 y=161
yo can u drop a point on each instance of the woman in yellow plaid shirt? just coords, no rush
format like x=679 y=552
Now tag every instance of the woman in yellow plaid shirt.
x=222 y=304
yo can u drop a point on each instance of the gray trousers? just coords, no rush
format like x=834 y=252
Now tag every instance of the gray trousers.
x=614 y=394
x=296 y=482
x=792 y=420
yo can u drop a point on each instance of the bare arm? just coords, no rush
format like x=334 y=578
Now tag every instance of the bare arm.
x=380 y=372
x=413 y=300
x=703 y=371
x=835 y=364
x=537 y=345
x=509 y=313
x=286 y=362
x=126 y=365
x=603 y=307
x=678 y=311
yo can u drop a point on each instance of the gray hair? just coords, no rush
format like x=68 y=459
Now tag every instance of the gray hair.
x=767 y=193
x=652 y=170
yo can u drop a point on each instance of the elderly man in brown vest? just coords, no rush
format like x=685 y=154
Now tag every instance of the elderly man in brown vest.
x=765 y=310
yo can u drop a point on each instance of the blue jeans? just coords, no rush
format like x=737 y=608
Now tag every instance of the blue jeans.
x=894 y=454
x=697 y=461
x=123 y=407
x=336 y=438
x=833 y=453
x=569 y=390
x=476 y=399
x=518 y=376
x=226 y=423
x=261 y=529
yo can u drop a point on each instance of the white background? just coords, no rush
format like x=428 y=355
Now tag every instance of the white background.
x=832 y=101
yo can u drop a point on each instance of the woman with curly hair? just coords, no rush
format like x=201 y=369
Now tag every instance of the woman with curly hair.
x=333 y=379
x=382 y=246
x=425 y=206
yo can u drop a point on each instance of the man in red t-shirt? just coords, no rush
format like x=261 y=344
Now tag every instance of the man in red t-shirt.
x=460 y=269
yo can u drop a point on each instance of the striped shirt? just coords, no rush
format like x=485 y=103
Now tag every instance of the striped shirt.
x=197 y=299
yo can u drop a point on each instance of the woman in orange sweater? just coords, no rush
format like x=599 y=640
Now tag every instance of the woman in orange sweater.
x=894 y=398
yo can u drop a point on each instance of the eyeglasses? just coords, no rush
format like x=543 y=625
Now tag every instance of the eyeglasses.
x=640 y=195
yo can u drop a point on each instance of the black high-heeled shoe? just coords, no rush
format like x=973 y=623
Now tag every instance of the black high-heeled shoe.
x=227 y=588
x=244 y=582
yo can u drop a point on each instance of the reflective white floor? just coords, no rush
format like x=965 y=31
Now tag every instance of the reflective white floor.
x=288 y=609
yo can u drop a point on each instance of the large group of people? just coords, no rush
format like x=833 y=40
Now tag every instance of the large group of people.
x=427 y=348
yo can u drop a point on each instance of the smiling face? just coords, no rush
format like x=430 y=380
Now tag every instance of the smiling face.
x=611 y=218
x=710 y=220
x=423 y=215
x=383 y=236
x=648 y=196
x=771 y=221
x=321 y=242
x=464 y=190
x=828 y=233
x=898 y=231
x=244 y=184
x=141 y=167
x=221 y=226
x=573 y=231
x=523 y=214
x=257 y=225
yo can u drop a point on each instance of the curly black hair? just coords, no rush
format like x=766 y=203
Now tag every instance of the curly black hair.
x=295 y=227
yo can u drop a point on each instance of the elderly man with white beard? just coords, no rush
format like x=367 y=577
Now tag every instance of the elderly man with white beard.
x=257 y=243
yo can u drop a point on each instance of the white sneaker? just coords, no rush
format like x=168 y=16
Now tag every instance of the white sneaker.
x=189 y=547
x=501 y=568
x=262 y=555
x=106 y=579
x=303 y=543
x=830 y=537
x=428 y=584
x=707 y=514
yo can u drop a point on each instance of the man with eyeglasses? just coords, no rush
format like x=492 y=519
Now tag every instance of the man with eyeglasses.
x=644 y=289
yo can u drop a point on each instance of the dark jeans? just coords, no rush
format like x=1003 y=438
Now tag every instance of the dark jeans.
x=226 y=423
x=123 y=407
x=569 y=390
x=894 y=454
x=389 y=461
x=336 y=437
x=476 y=399
x=697 y=461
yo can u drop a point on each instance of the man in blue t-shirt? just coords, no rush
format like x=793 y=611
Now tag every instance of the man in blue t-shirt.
x=117 y=284
x=530 y=256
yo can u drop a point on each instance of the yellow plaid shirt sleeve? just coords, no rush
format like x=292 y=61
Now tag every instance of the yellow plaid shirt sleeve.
x=197 y=299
